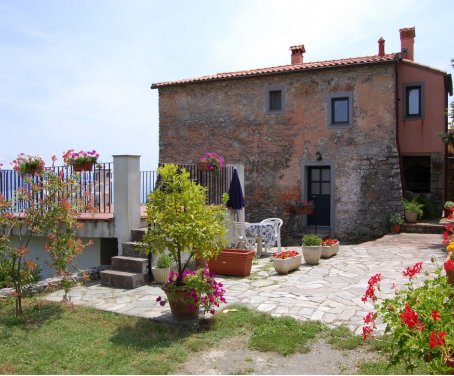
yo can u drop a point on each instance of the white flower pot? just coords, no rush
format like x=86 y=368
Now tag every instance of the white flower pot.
x=160 y=275
x=411 y=217
x=312 y=254
x=329 y=251
x=283 y=266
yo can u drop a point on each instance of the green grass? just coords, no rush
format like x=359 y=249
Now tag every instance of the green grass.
x=54 y=338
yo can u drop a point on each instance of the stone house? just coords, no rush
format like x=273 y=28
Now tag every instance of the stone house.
x=350 y=134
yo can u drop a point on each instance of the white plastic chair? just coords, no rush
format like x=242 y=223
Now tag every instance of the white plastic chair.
x=277 y=225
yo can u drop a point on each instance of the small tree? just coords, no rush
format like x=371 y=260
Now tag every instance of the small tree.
x=49 y=208
x=181 y=222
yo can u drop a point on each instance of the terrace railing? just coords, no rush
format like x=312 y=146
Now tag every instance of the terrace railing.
x=95 y=187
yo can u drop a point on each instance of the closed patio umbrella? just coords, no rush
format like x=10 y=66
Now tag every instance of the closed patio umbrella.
x=236 y=198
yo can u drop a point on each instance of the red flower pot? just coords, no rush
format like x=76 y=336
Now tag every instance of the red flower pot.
x=83 y=167
x=232 y=262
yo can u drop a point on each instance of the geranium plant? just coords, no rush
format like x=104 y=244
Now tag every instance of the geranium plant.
x=419 y=318
x=215 y=160
x=329 y=242
x=28 y=164
x=80 y=158
x=202 y=290
x=286 y=254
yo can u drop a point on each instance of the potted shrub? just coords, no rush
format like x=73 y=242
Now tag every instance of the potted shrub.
x=82 y=160
x=330 y=247
x=183 y=226
x=28 y=164
x=448 y=208
x=286 y=261
x=211 y=161
x=161 y=271
x=413 y=210
x=312 y=249
x=395 y=220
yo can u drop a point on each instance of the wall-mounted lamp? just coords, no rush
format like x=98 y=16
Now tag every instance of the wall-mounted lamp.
x=318 y=156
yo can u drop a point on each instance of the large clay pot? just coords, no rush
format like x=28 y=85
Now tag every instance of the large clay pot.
x=232 y=262
x=395 y=228
x=312 y=254
x=179 y=306
x=411 y=217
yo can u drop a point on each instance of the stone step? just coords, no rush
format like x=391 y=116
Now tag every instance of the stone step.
x=423 y=228
x=130 y=249
x=124 y=280
x=130 y=264
x=137 y=234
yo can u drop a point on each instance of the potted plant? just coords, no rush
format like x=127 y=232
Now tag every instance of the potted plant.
x=312 y=249
x=183 y=226
x=448 y=209
x=211 y=161
x=161 y=271
x=330 y=247
x=418 y=318
x=395 y=220
x=82 y=160
x=413 y=210
x=304 y=207
x=286 y=261
x=28 y=164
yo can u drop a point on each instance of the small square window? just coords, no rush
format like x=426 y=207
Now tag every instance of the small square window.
x=275 y=100
x=340 y=107
x=339 y=111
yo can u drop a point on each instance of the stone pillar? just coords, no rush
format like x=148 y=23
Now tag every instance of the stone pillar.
x=126 y=196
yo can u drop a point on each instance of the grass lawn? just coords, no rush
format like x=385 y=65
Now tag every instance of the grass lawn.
x=54 y=338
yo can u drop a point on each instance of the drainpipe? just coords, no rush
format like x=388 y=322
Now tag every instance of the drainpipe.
x=396 y=74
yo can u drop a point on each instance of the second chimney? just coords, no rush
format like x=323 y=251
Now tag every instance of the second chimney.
x=381 y=47
x=407 y=40
x=297 y=54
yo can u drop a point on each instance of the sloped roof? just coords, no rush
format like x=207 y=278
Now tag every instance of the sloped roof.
x=375 y=59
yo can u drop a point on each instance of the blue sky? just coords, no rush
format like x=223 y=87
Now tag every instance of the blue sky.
x=77 y=73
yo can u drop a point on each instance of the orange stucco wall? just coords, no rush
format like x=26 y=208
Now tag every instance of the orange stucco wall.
x=419 y=136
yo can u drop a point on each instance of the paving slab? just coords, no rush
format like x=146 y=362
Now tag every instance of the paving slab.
x=330 y=292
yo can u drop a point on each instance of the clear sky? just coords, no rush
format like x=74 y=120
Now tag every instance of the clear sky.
x=77 y=73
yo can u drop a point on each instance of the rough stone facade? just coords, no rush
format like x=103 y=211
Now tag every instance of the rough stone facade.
x=230 y=117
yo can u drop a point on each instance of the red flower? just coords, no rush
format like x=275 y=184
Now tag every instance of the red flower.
x=435 y=315
x=370 y=292
x=410 y=272
x=449 y=265
x=436 y=339
x=411 y=318
x=367 y=331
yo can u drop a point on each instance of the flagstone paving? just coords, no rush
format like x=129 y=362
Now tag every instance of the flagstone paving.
x=330 y=292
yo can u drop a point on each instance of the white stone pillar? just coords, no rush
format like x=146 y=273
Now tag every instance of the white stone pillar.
x=126 y=196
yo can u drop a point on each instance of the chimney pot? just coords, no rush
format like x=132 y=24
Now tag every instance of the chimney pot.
x=407 y=41
x=381 y=47
x=297 y=54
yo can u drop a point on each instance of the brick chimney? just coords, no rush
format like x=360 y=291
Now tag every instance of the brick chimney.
x=407 y=40
x=297 y=54
x=381 y=47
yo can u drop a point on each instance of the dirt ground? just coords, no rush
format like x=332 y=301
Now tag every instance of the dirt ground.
x=232 y=357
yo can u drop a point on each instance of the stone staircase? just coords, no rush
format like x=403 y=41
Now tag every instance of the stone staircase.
x=130 y=270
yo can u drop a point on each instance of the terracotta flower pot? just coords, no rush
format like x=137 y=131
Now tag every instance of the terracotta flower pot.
x=83 y=167
x=395 y=228
x=180 y=308
x=203 y=166
x=232 y=262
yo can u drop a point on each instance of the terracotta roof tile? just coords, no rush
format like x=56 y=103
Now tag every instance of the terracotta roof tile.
x=283 y=69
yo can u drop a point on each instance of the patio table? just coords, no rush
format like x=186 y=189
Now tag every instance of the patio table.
x=261 y=231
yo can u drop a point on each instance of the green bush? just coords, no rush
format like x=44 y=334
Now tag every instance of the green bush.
x=414 y=206
x=164 y=261
x=395 y=219
x=29 y=273
x=430 y=211
x=312 y=240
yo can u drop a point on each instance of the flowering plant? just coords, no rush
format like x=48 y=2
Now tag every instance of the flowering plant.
x=329 y=242
x=419 y=318
x=28 y=164
x=202 y=290
x=80 y=158
x=215 y=160
x=285 y=254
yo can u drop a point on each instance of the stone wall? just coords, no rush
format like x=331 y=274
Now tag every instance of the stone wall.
x=230 y=117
